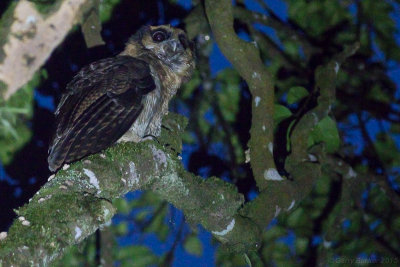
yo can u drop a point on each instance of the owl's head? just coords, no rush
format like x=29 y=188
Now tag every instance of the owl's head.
x=170 y=45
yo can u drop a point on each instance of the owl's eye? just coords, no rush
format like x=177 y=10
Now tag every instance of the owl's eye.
x=159 y=36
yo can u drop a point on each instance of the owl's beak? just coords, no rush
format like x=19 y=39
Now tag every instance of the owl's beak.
x=175 y=46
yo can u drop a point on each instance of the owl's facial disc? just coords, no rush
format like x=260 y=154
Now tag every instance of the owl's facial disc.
x=171 y=46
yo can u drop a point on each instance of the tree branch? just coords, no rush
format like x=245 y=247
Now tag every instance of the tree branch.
x=30 y=37
x=77 y=201
x=284 y=195
x=246 y=60
x=276 y=194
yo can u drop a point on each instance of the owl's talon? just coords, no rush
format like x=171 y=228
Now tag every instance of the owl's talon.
x=150 y=137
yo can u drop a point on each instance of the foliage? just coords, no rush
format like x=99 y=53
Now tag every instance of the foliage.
x=106 y=8
x=14 y=114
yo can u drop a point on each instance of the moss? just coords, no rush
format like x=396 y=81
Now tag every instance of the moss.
x=54 y=225
x=47 y=7
x=42 y=227
x=172 y=130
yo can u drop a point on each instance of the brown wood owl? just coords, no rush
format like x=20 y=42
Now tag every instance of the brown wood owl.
x=121 y=98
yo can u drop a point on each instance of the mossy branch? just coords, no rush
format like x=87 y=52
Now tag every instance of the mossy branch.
x=246 y=59
x=77 y=201
x=305 y=169
x=304 y=164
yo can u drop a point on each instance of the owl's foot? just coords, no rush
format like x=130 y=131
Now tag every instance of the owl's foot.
x=150 y=137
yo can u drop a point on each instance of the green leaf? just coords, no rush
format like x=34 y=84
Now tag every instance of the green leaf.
x=296 y=218
x=291 y=48
x=301 y=245
x=193 y=245
x=121 y=229
x=204 y=125
x=296 y=94
x=163 y=232
x=143 y=214
x=122 y=205
x=157 y=225
x=106 y=9
x=387 y=149
x=316 y=17
x=280 y=253
x=238 y=149
x=326 y=131
x=274 y=233
x=281 y=113
x=140 y=255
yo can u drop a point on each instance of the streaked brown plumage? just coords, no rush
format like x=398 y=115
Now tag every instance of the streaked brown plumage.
x=121 y=98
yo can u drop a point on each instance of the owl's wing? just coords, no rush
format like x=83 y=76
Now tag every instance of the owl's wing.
x=102 y=102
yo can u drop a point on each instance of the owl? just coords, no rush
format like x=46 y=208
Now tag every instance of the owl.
x=121 y=98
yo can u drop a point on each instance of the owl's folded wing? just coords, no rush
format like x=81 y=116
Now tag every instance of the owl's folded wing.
x=102 y=102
